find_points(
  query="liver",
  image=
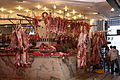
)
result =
(42, 68)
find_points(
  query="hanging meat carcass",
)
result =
(20, 43)
(82, 45)
(35, 26)
(98, 40)
(95, 59)
(103, 39)
(56, 25)
(48, 22)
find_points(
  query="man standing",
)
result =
(114, 54)
(107, 58)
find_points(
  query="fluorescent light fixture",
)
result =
(94, 13)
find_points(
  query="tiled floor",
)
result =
(84, 76)
(94, 76)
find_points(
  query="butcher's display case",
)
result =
(45, 66)
(47, 63)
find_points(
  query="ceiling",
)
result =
(85, 7)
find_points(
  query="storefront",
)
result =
(51, 40)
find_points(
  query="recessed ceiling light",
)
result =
(80, 15)
(54, 6)
(27, 10)
(60, 11)
(19, 7)
(86, 17)
(2, 9)
(106, 19)
(68, 14)
(73, 12)
(95, 13)
(75, 17)
(112, 9)
(66, 8)
(45, 9)
(38, 6)
(10, 11)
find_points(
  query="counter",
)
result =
(42, 68)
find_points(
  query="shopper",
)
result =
(107, 58)
(113, 53)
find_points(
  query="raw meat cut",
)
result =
(20, 43)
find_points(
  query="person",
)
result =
(114, 54)
(107, 58)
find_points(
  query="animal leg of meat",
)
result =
(78, 59)
(17, 60)
(24, 62)
(82, 58)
